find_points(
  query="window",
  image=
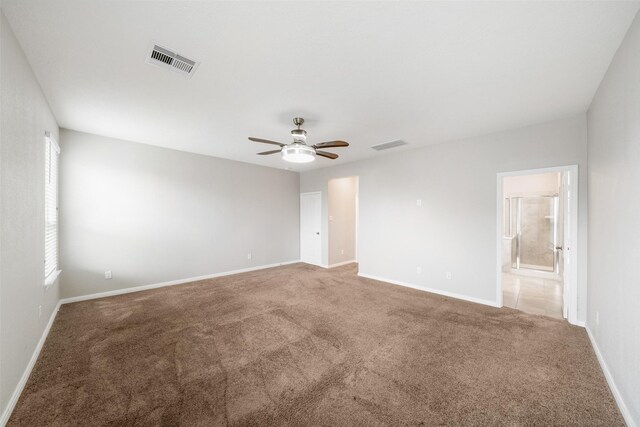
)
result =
(52, 151)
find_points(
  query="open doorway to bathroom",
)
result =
(537, 230)
(532, 241)
(343, 221)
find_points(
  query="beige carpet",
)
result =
(300, 345)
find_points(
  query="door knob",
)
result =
(558, 248)
(318, 233)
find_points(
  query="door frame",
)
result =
(570, 250)
(308, 193)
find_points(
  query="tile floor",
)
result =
(532, 294)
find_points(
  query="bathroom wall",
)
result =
(531, 185)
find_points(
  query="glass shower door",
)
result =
(536, 232)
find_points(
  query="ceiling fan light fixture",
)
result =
(298, 153)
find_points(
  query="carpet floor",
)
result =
(301, 345)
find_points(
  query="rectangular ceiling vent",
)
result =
(387, 145)
(165, 58)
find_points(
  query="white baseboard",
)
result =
(313, 263)
(339, 264)
(626, 414)
(169, 283)
(6, 414)
(433, 291)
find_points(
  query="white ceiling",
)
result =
(365, 72)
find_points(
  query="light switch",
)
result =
(419, 203)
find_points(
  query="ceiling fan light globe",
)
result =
(298, 153)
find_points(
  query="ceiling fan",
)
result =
(298, 151)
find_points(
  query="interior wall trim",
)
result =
(6, 413)
(626, 414)
(339, 264)
(433, 291)
(317, 265)
(170, 283)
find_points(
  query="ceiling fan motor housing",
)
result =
(299, 135)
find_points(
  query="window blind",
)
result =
(52, 152)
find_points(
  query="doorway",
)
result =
(537, 231)
(343, 221)
(310, 225)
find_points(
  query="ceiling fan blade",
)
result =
(266, 141)
(264, 153)
(327, 155)
(331, 144)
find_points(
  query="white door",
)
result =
(565, 259)
(310, 243)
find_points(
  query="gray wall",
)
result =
(614, 214)
(342, 224)
(152, 215)
(25, 118)
(455, 229)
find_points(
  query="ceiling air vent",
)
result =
(165, 58)
(387, 145)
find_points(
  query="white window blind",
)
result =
(52, 152)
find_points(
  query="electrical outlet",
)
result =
(447, 275)
(249, 255)
(107, 274)
(597, 318)
(342, 251)
(418, 270)
(419, 203)
(330, 217)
